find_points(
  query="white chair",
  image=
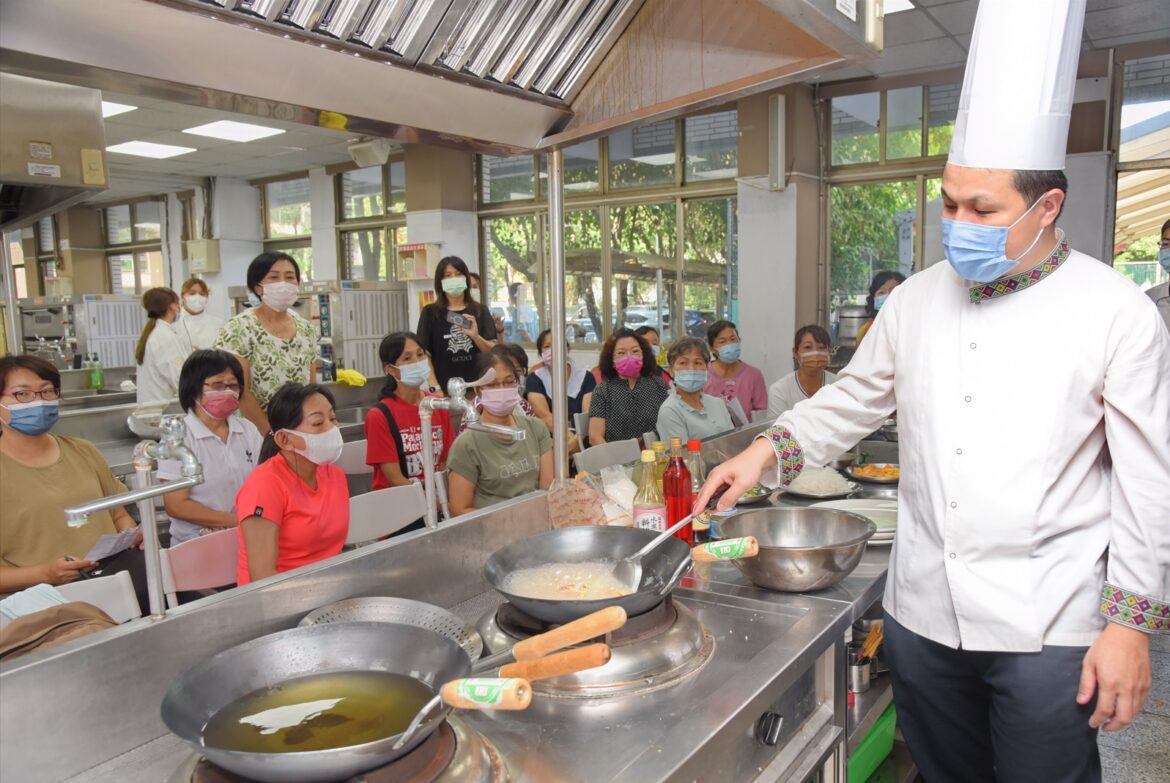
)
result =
(594, 458)
(581, 425)
(384, 511)
(353, 459)
(202, 563)
(113, 594)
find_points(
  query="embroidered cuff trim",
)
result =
(1134, 610)
(789, 454)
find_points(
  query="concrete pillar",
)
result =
(235, 222)
(322, 204)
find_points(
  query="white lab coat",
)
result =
(200, 330)
(158, 375)
(1035, 452)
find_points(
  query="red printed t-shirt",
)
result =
(313, 522)
(380, 446)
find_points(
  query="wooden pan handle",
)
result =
(729, 549)
(567, 662)
(487, 693)
(590, 626)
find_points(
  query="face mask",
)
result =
(321, 448)
(979, 252)
(814, 357)
(690, 380)
(414, 374)
(33, 418)
(280, 296)
(196, 303)
(729, 354)
(220, 404)
(500, 402)
(454, 286)
(1164, 258)
(880, 300)
(546, 357)
(629, 366)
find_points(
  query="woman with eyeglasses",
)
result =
(41, 475)
(226, 445)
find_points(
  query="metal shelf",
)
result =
(867, 708)
(905, 770)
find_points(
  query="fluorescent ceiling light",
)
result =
(230, 130)
(111, 109)
(896, 6)
(148, 149)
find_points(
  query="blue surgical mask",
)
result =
(879, 300)
(415, 374)
(978, 252)
(33, 418)
(690, 380)
(729, 354)
(1164, 258)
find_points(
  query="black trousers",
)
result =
(989, 716)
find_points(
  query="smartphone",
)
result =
(458, 319)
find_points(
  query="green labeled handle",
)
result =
(728, 549)
(488, 693)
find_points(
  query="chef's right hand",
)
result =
(63, 571)
(738, 475)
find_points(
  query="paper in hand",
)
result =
(112, 544)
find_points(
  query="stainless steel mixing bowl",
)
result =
(801, 549)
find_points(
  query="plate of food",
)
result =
(876, 472)
(820, 484)
(757, 494)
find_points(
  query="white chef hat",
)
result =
(1018, 87)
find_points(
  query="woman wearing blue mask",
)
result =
(40, 476)
(688, 413)
(879, 291)
(1161, 292)
(730, 378)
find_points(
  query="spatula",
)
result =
(628, 570)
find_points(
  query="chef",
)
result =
(1032, 560)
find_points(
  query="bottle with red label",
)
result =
(676, 486)
(649, 506)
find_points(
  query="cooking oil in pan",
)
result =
(318, 712)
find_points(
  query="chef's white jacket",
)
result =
(158, 375)
(1035, 452)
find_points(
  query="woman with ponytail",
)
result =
(161, 348)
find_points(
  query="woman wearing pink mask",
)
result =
(227, 446)
(484, 470)
(275, 346)
(626, 403)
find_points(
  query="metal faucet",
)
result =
(171, 446)
(456, 400)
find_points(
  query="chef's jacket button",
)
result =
(954, 504)
(952, 555)
(972, 346)
(959, 451)
(967, 398)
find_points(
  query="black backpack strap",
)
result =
(394, 433)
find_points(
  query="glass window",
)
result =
(645, 267)
(364, 254)
(16, 253)
(904, 123)
(1145, 109)
(150, 270)
(942, 105)
(397, 186)
(642, 156)
(122, 278)
(855, 128)
(118, 225)
(147, 221)
(581, 169)
(302, 253)
(711, 145)
(287, 205)
(506, 179)
(710, 277)
(512, 250)
(1142, 197)
(584, 292)
(361, 193)
(872, 230)
(932, 249)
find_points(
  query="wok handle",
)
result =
(590, 626)
(487, 693)
(728, 549)
(567, 662)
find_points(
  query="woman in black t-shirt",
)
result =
(455, 329)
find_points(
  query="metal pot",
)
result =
(801, 549)
(661, 569)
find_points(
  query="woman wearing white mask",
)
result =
(485, 469)
(688, 413)
(393, 426)
(161, 348)
(294, 507)
(810, 352)
(274, 344)
(227, 446)
(199, 326)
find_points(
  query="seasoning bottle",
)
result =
(660, 460)
(649, 506)
(676, 485)
(698, 477)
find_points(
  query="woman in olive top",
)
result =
(626, 403)
(455, 329)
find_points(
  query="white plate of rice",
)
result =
(820, 483)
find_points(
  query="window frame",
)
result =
(135, 248)
(389, 222)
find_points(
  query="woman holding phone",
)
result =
(455, 329)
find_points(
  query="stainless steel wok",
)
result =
(801, 549)
(661, 569)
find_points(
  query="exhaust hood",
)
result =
(52, 148)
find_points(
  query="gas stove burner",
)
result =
(452, 753)
(654, 650)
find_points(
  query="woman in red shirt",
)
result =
(294, 507)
